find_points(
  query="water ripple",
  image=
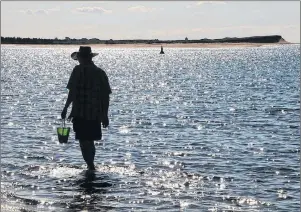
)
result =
(194, 129)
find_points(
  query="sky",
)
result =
(161, 20)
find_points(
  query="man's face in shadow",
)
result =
(82, 60)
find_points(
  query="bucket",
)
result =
(63, 132)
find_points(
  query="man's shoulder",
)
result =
(87, 67)
(99, 69)
(76, 68)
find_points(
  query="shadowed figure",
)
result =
(89, 91)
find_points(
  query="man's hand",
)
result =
(64, 112)
(105, 121)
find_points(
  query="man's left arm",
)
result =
(105, 100)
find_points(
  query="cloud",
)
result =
(211, 2)
(199, 3)
(143, 9)
(92, 10)
(35, 12)
(39, 11)
(104, 2)
(54, 9)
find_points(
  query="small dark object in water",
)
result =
(161, 52)
(63, 132)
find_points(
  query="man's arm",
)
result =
(67, 104)
(70, 98)
(105, 105)
(105, 100)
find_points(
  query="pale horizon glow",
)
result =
(163, 20)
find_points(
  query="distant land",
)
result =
(83, 41)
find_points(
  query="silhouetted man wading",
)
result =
(89, 91)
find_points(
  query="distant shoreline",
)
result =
(228, 41)
(165, 45)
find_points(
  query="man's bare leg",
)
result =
(88, 152)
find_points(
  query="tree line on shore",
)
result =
(67, 40)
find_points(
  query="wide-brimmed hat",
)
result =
(84, 51)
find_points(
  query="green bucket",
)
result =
(63, 133)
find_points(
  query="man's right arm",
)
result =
(105, 100)
(70, 98)
(71, 87)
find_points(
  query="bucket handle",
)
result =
(63, 123)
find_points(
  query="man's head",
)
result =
(84, 54)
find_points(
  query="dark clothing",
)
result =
(89, 91)
(90, 85)
(87, 129)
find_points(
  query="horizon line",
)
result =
(138, 38)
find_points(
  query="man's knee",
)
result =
(86, 144)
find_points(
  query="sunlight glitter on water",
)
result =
(195, 130)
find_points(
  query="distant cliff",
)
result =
(67, 40)
(254, 39)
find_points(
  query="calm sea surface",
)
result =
(191, 130)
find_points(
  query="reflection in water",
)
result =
(92, 188)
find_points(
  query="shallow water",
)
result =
(191, 130)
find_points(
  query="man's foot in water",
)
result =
(91, 167)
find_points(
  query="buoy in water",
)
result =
(161, 52)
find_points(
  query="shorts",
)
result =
(86, 129)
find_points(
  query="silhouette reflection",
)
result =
(91, 190)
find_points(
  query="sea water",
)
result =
(195, 129)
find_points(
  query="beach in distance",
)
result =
(255, 41)
(169, 45)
